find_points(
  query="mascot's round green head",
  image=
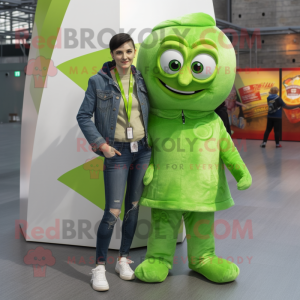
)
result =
(187, 63)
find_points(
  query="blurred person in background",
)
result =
(275, 104)
(221, 111)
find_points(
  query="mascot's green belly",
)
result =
(188, 174)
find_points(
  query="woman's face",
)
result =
(124, 55)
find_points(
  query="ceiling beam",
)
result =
(16, 3)
(294, 30)
(16, 19)
(261, 30)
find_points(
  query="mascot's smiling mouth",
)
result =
(179, 92)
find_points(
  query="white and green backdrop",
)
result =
(61, 180)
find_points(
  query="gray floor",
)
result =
(272, 205)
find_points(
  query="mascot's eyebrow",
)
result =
(205, 42)
(181, 40)
(175, 38)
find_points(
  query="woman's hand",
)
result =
(109, 151)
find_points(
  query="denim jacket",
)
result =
(102, 98)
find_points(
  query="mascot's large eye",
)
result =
(171, 61)
(203, 65)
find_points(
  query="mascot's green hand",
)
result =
(244, 183)
(148, 175)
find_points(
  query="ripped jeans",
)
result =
(130, 168)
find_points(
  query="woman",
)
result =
(118, 96)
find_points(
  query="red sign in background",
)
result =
(250, 93)
(291, 94)
(255, 127)
(251, 84)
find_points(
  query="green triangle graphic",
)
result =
(87, 180)
(81, 68)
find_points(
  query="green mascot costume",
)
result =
(188, 65)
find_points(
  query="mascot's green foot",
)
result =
(217, 269)
(151, 270)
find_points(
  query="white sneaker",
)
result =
(98, 279)
(123, 268)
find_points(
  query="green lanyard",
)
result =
(129, 104)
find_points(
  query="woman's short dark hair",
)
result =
(118, 40)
